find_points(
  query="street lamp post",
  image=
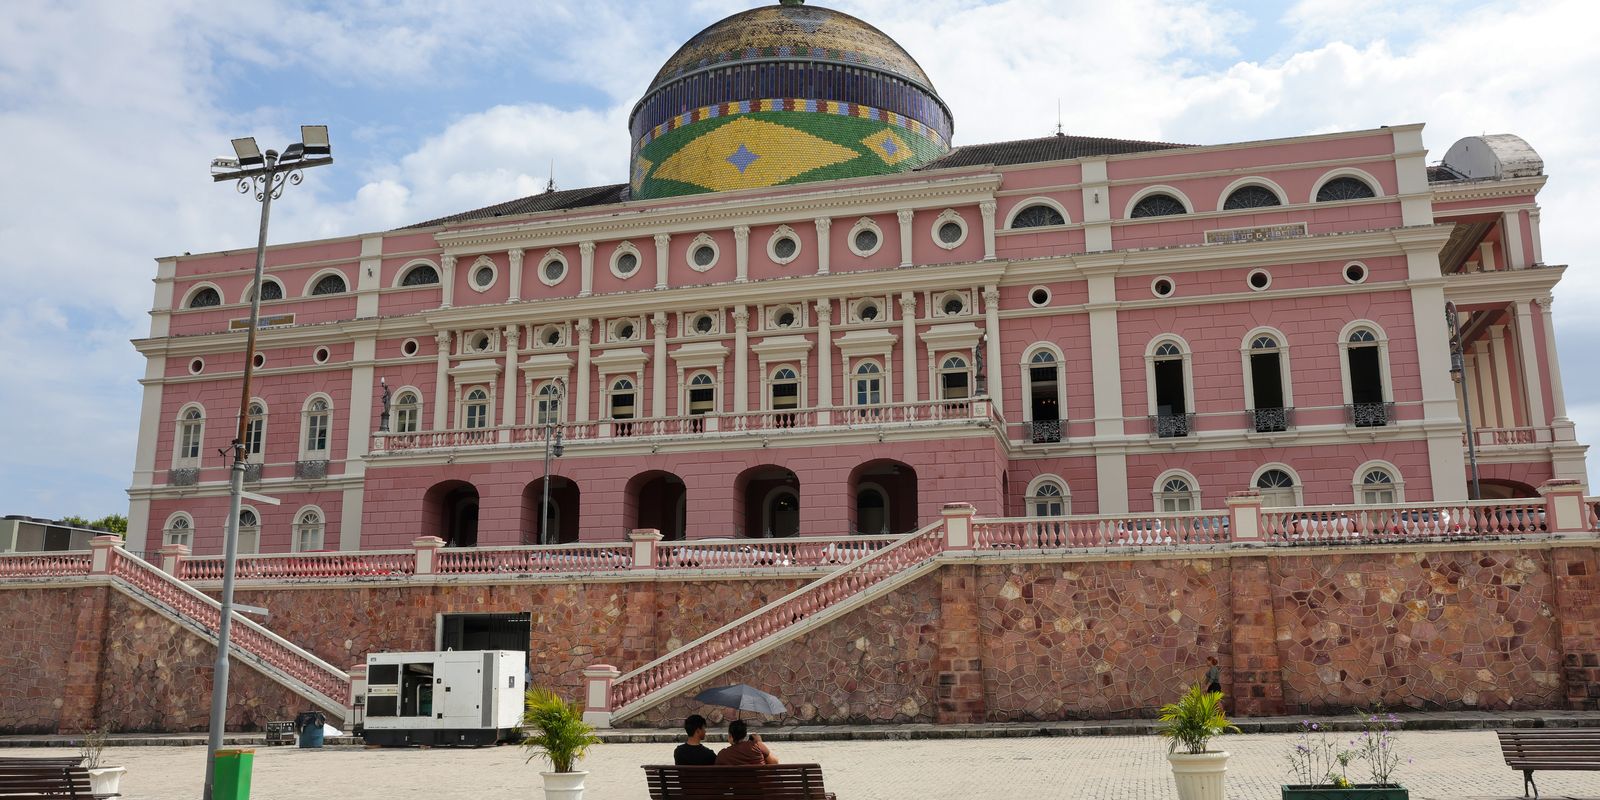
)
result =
(552, 431)
(1458, 372)
(265, 174)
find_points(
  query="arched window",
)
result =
(1277, 488)
(702, 398)
(1252, 196)
(1048, 499)
(249, 532)
(408, 413)
(869, 384)
(255, 429)
(1268, 395)
(308, 531)
(547, 406)
(1158, 205)
(420, 275)
(1176, 494)
(1364, 373)
(179, 530)
(319, 419)
(329, 284)
(1345, 188)
(1169, 396)
(955, 379)
(1377, 487)
(1043, 383)
(191, 435)
(270, 290)
(1038, 215)
(622, 399)
(476, 409)
(206, 298)
(784, 390)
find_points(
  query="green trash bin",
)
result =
(232, 775)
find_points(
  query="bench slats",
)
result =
(769, 782)
(34, 782)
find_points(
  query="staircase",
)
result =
(248, 642)
(783, 620)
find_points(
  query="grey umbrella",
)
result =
(742, 697)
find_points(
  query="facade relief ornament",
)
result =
(823, 225)
(585, 327)
(741, 233)
(906, 215)
(987, 209)
(515, 257)
(824, 310)
(442, 338)
(658, 324)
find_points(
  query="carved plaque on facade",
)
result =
(1269, 233)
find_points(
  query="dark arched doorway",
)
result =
(1502, 489)
(450, 512)
(562, 516)
(659, 500)
(883, 498)
(768, 500)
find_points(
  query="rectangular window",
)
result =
(252, 435)
(317, 433)
(189, 448)
(406, 420)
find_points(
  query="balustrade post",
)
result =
(1244, 510)
(426, 547)
(644, 547)
(172, 558)
(1563, 506)
(958, 533)
(598, 682)
(100, 561)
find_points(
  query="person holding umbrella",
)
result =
(743, 749)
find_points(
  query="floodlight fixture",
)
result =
(249, 154)
(315, 140)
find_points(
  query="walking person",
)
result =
(692, 753)
(1213, 675)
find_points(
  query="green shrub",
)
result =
(556, 730)
(1194, 720)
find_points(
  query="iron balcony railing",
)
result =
(1271, 420)
(1370, 415)
(1171, 426)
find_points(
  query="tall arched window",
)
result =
(1252, 196)
(701, 399)
(329, 284)
(1158, 205)
(1277, 488)
(255, 429)
(308, 531)
(955, 379)
(547, 405)
(1364, 370)
(1170, 392)
(868, 386)
(1345, 188)
(318, 423)
(1377, 487)
(784, 390)
(623, 398)
(191, 435)
(249, 532)
(1176, 494)
(408, 413)
(476, 409)
(1048, 499)
(179, 530)
(1043, 381)
(1037, 216)
(1269, 409)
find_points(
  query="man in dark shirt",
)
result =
(692, 753)
(744, 750)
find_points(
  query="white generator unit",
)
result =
(454, 697)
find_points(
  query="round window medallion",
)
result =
(868, 312)
(409, 347)
(554, 270)
(1040, 296)
(785, 247)
(866, 240)
(197, 366)
(953, 306)
(627, 264)
(481, 343)
(1162, 287)
(625, 331)
(950, 232)
(704, 255)
(483, 277)
(1355, 272)
(703, 323)
(785, 318)
(552, 337)
(320, 356)
(259, 361)
(1259, 280)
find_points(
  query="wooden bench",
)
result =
(9, 761)
(768, 782)
(1533, 749)
(24, 782)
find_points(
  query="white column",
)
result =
(1447, 464)
(741, 253)
(824, 309)
(1558, 395)
(1538, 244)
(908, 353)
(1486, 257)
(1111, 466)
(508, 397)
(441, 382)
(658, 366)
(516, 273)
(1511, 237)
(580, 411)
(741, 359)
(1096, 195)
(447, 279)
(663, 241)
(1528, 354)
(358, 436)
(1502, 377)
(823, 251)
(987, 209)
(994, 369)
(906, 215)
(586, 287)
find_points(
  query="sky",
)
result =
(110, 111)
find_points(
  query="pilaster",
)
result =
(658, 365)
(908, 338)
(515, 269)
(824, 310)
(824, 225)
(580, 410)
(508, 396)
(906, 216)
(741, 359)
(994, 369)
(741, 253)
(987, 210)
(447, 280)
(441, 381)
(663, 256)
(369, 277)
(586, 286)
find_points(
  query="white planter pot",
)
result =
(105, 780)
(1199, 776)
(563, 785)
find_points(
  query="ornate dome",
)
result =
(784, 94)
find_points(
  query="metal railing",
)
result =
(1271, 420)
(1170, 426)
(1369, 415)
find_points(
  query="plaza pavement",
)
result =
(1444, 765)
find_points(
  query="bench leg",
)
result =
(1527, 780)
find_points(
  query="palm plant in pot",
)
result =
(104, 781)
(1191, 724)
(1321, 768)
(557, 733)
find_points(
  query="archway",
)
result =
(883, 497)
(769, 501)
(450, 512)
(657, 499)
(1503, 489)
(563, 514)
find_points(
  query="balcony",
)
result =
(1510, 437)
(1171, 426)
(1044, 431)
(974, 412)
(1271, 420)
(1369, 415)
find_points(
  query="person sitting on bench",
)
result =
(744, 750)
(692, 753)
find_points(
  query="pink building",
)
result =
(809, 314)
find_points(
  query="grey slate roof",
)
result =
(1045, 148)
(1440, 173)
(548, 201)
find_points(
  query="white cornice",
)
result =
(1501, 286)
(1453, 191)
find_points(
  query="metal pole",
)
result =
(544, 508)
(230, 542)
(1458, 367)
